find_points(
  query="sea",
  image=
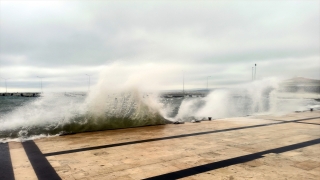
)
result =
(54, 114)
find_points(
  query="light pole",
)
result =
(0, 78)
(207, 82)
(41, 82)
(252, 74)
(5, 80)
(183, 82)
(89, 82)
(255, 71)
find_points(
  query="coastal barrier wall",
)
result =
(22, 94)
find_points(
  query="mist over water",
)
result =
(136, 101)
(259, 97)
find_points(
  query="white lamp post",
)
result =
(40, 82)
(207, 82)
(89, 82)
(5, 80)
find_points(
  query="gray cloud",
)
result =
(229, 37)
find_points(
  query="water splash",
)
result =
(111, 105)
(258, 97)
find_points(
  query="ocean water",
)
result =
(52, 114)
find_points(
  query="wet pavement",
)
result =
(253, 147)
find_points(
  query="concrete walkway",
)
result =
(260, 147)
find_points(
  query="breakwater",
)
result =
(183, 94)
(22, 94)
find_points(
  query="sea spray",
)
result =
(257, 97)
(52, 114)
(135, 101)
(124, 109)
(236, 101)
(42, 115)
(109, 105)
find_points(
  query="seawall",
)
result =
(22, 94)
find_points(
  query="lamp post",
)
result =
(183, 83)
(255, 71)
(40, 82)
(1, 78)
(5, 80)
(207, 82)
(6, 83)
(252, 74)
(89, 82)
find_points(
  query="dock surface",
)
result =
(256, 147)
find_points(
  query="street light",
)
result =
(41, 82)
(5, 80)
(252, 74)
(183, 83)
(207, 82)
(255, 71)
(0, 78)
(89, 82)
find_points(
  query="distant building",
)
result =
(300, 84)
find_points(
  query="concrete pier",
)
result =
(256, 147)
(23, 94)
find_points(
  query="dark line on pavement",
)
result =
(39, 162)
(6, 169)
(308, 123)
(297, 120)
(166, 138)
(228, 162)
(149, 140)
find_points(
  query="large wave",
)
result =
(112, 106)
(108, 105)
(54, 114)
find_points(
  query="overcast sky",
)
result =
(155, 41)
